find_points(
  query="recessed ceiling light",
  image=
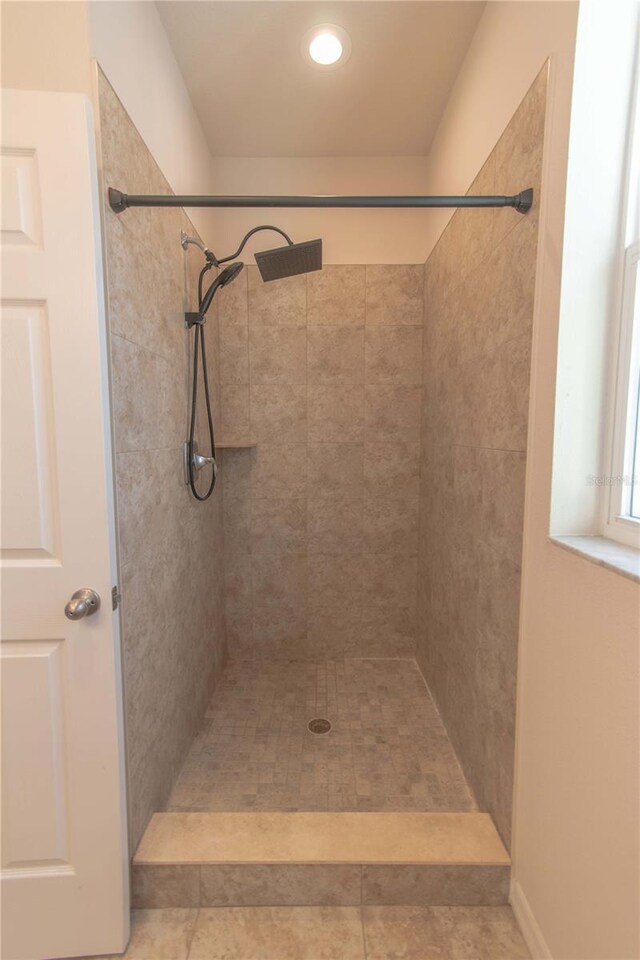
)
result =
(325, 49)
(326, 46)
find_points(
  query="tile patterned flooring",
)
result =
(326, 933)
(387, 749)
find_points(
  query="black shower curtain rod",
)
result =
(120, 201)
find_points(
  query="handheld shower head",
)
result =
(230, 273)
(226, 276)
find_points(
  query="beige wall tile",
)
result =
(136, 412)
(310, 438)
(280, 471)
(501, 480)
(335, 527)
(281, 303)
(391, 526)
(519, 152)
(280, 884)
(479, 285)
(235, 415)
(380, 639)
(234, 352)
(468, 238)
(336, 295)
(236, 468)
(393, 355)
(279, 413)
(165, 885)
(335, 636)
(238, 608)
(438, 884)
(394, 294)
(335, 471)
(392, 470)
(392, 413)
(278, 526)
(134, 281)
(390, 593)
(232, 300)
(493, 397)
(149, 283)
(147, 500)
(336, 413)
(279, 583)
(336, 585)
(336, 355)
(277, 354)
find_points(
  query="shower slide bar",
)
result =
(121, 201)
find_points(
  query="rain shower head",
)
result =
(282, 262)
(291, 260)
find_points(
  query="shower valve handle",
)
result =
(199, 462)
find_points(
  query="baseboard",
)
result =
(528, 924)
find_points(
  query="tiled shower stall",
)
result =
(366, 528)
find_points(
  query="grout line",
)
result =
(193, 933)
(362, 923)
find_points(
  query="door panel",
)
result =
(30, 521)
(34, 820)
(64, 850)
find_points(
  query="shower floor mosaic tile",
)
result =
(387, 748)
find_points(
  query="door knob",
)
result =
(83, 603)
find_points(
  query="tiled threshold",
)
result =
(316, 859)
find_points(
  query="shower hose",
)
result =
(200, 350)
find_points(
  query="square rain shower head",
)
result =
(291, 260)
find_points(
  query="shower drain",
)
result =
(319, 725)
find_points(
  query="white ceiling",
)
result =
(256, 97)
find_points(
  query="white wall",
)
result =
(129, 42)
(511, 43)
(576, 797)
(349, 236)
(45, 46)
(49, 46)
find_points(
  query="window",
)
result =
(624, 498)
(623, 520)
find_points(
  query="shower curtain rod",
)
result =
(120, 201)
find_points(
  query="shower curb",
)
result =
(315, 859)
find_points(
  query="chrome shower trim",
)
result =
(197, 460)
(185, 240)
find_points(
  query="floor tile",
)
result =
(387, 748)
(159, 935)
(278, 933)
(442, 933)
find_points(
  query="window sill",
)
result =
(606, 553)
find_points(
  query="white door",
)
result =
(64, 849)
